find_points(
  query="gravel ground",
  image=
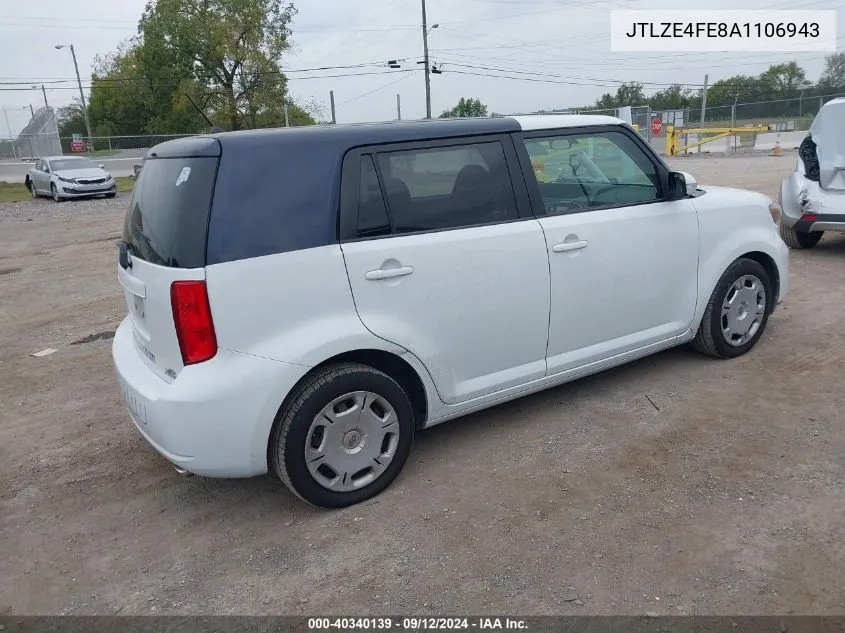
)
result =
(673, 485)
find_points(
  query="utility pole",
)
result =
(81, 91)
(427, 66)
(801, 105)
(287, 120)
(331, 99)
(9, 128)
(398, 107)
(733, 111)
(703, 101)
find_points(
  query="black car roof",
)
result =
(337, 137)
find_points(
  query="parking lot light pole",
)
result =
(81, 92)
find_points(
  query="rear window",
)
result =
(167, 221)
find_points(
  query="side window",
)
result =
(372, 212)
(447, 187)
(38, 164)
(45, 167)
(579, 172)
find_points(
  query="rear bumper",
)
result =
(215, 418)
(800, 198)
(826, 222)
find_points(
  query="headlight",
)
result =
(109, 176)
(70, 180)
(775, 211)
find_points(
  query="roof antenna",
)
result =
(214, 128)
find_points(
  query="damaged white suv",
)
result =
(813, 197)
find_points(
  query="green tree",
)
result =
(606, 102)
(71, 119)
(833, 75)
(231, 50)
(630, 94)
(675, 97)
(466, 108)
(784, 81)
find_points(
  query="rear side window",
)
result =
(372, 212)
(447, 187)
(167, 219)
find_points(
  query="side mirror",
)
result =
(681, 185)
(101, 166)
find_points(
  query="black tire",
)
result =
(55, 193)
(32, 190)
(797, 239)
(293, 421)
(111, 195)
(709, 339)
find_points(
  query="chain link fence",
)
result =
(40, 136)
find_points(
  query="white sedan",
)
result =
(63, 177)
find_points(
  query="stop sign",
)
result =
(656, 126)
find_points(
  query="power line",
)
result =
(283, 71)
(175, 85)
(366, 94)
(580, 80)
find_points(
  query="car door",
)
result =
(44, 182)
(34, 174)
(623, 257)
(446, 260)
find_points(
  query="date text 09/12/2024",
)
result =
(416, 624)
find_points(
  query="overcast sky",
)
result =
(565, 41)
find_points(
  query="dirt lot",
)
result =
(725, 496)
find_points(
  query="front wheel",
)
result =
(55, 193)
(738, 310)
(797, 239)
(343, 436)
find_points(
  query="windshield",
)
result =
(72, 163)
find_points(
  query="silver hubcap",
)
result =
(352, 441)
(55, 193)
(743, 310)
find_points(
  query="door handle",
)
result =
(373, 275)
(564, 247)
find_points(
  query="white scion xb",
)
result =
(303, 301)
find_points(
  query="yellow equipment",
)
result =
(673, 135)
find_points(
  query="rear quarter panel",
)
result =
(294, 307)
(734, 222)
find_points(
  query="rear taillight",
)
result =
(192, 318)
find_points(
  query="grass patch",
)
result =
(17, 192)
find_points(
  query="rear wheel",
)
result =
(343, 436)
(797, 239)
(737, 313)
(32, 190)
(55, 193)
